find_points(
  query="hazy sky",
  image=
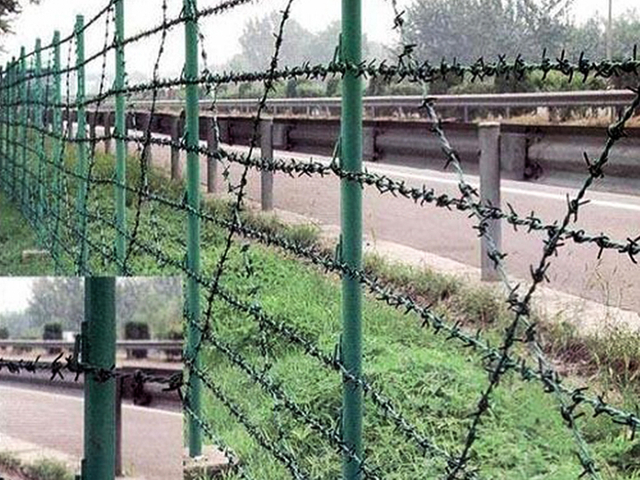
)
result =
(222, 32)
(15, 293)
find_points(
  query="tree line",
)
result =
(464, 30)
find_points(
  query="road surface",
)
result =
(152, 438)
(611, 280)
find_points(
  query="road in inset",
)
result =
(152, 438)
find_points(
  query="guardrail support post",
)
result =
(118, 418)
(212, 161)
(369, 144)
(513, 154)
(351, 237)
(93, 119)
(266, 176)
(192, 117)
(147, 153)
(106, 121)
(81, 148)
(120, 130)
(176, 134)
(489, 137)
(99, 351)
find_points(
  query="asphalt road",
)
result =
(152, 438)
(612, 279)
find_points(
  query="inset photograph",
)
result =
(90, 372)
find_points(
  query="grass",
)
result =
(15, 237)
(594, 119)
(432, 381)
(40, 469)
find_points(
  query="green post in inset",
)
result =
(193, 232)
(99, 351)
(56, 130)
(121, 145)
(351, 242)
(81, 149)
(23, 125)
(38, 124)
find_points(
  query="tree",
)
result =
(299, 44)
(16, 323)
(258, 41)
(588, 38)
(57, 300)
(471, 29)
(156, 301)
(626, 34)
(8, 10)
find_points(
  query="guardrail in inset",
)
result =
(120, 344)
(119, 387)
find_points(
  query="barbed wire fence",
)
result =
(97, 215)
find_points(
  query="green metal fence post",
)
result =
(119, 132)
(14, 129)
(56, 130)
(351, 243)
(7, 97)
(23, 124)
(5, 127)
(81, 148)
(3, 116)
(9, 130)
(193, 238)
(37, 112)
(99, 350)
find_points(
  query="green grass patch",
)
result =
(16, 237)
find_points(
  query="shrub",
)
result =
(53, 331)
(136, 331)
(47, 469)
(4, 335)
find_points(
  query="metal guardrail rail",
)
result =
(324, 105)
(120, 344)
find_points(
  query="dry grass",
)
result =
(596, 120)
